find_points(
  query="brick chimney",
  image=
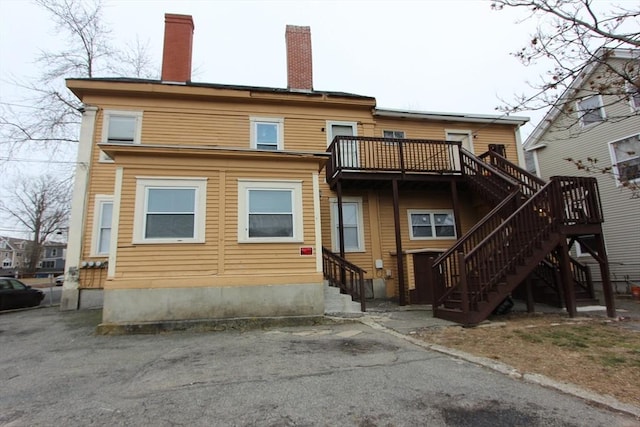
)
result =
(299, 66)
(178, 41)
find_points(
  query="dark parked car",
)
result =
(15, 294)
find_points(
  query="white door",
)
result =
(466, 138)
(348, 148)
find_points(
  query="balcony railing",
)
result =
(370, 154)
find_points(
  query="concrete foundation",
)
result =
(169, 304)
(69, 299)
(91, 298)
(379, 288)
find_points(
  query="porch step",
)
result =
(337, 303)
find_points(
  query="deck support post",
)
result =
(455, 202)
(402, 298)
(567, 278)
(343, 275)
(607, 288)
(531, 306)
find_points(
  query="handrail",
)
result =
(494, 182)
(373, 154)
(344, 275)
(531, 184)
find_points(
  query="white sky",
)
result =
(431, 55)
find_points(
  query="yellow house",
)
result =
(199, 201)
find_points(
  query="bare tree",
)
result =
(573, 37)
(49, 113)
(41, 205)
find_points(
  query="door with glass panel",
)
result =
(348, 148)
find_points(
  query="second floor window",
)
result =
(625, 157)
(393, 134)
(121, 127)
(590, 110)
(267, 133)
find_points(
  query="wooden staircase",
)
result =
(530, 220)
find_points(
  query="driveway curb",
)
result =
(566, 388)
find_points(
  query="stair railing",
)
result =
(529, 183)
(345, 275)
(490, 181)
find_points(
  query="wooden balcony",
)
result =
(370, 158)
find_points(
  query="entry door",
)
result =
(348, 148)
(421, 294)
(466, 138)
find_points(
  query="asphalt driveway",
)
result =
(56, 371)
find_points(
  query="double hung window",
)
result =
(267, 133)
(590, 110)
(102, 225)
(121, 127)
(625, 157)
(269, 211)
(352, 224)
(431, 225)
(170, 210)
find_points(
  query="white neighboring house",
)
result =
(596, 120)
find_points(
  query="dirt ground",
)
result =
(592, 352)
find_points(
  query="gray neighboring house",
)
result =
(52, 259)
(595, 120)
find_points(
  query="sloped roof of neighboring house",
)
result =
(13, 242)
(589, 69)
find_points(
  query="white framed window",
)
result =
(267, 133)
(101, 233)
(625, 158)
(170, 210)
(120, 127)
(353, 224)
(590, 110)
(634, 96)
(54, 252)
(431, 224)
(269, 211)
(393, 134)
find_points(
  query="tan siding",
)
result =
(484, 134)
(225, 123)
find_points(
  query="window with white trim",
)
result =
(267, 133)
(625, 158)
(352, 224)
(438, 224)
(393, 134)
(634, 96)
(54, 252)
(102, 225)
(121, 127)
(269, 211)
(170, 210)
(590, 110)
